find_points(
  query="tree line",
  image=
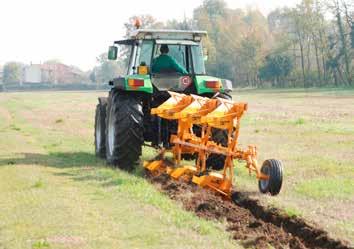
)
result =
(309, 45)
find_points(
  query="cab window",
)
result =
(124, 58)
(176, 51)
(198, 60)
(146, 53)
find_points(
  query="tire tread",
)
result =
(127, 148)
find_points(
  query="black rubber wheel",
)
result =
(100, 130)
(188, 157)
(274, 169)
(224, 96)
(216, 161)
(125, 130)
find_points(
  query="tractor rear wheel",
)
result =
(216, 161)
(124, 132)
(100, 130)
(274, 169)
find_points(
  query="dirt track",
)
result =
(248, 221)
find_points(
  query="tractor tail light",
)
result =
(213, 84)
(135, 82)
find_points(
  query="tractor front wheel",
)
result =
(274, 170)
(124, 130)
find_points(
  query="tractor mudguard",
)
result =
(209, 84)
(135, 82)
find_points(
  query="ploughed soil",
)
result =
(249, 222)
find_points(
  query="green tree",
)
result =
(254, 43)
(12, 72)
(92, 75)
(186, 24)
(249, 55)
(344, 51)
(276, 68)
(107, 70)
(236, 41)
(352, 34)
(146, 21)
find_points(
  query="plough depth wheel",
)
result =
(274, 170)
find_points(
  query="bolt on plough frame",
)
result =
(216, 113)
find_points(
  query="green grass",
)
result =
(56, 193)
(292, 212)
(40, 244)
(327, 188)
(312, 132)
(38, 184)
(299, 121)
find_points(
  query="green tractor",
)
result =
(156, 61)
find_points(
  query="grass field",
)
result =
(56, 194)
(312, 132)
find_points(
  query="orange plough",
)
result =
(216, 113)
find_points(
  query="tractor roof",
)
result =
(167, 34)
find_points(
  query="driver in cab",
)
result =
(164, 63)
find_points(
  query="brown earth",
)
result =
(249, 222)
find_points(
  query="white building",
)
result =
(32, 74)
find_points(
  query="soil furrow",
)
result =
(249, 222)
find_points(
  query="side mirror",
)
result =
(112, 53)
(205, 54)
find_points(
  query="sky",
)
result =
(77, 31)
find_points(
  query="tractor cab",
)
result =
(153, 63)
(147, 66)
